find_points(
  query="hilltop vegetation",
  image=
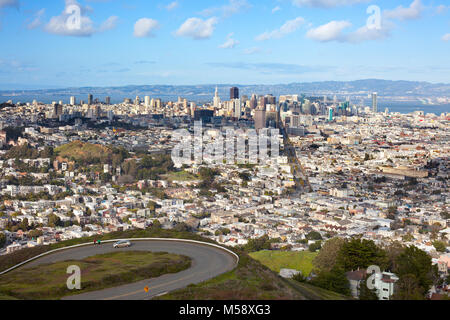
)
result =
(86, 153)
(277, 260)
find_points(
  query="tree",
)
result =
(24, 225)
(365, 293)
(53, 220)
(440, 246)
(181, 227)
(393, 250)
(326, 259)
(315, 246)
(445, 214)
(334, 280)
(35, 234)
(416, 273)
(258, 244)
(156, 224)
(2, 239)
(361, 253)
(314, 235)
(408, 288)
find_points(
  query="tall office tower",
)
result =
(263, 102)
(57, 109)
(147, 101)
(237, 108)
(73, 101)
(137, 101)
(234, 93)
(271, 99)
(330, 114)
(90, 99)
(216, 101)
(325, 99)
(253, 102)
(374, 102)
(260, 119)
(108, 100)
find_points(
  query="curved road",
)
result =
(207, 262)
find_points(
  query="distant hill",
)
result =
(203, 93)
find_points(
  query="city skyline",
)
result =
(233, 41)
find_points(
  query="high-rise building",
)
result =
(73, 101)
(237, 108)
(57, 109)
(234, 93)
(374, 102)
(271, 99)
(260, 119)
(263, 102)
(108, 100)
(147, 101)
(90, 99)
(253, 102)
(330, 114)
(216, 101)
(137, 101)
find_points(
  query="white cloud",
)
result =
(172, 5)
(366, 34)
(446, 37)
(276, 9)
(326, 3)
(332, 31)
(58, 25)
(144, 27)
(37, 22)
(230, 43)
(287, 28)
(197, 28)
(441, 9)
(253, 50)
(9, 3)
(414, 11)
(233, 7)
(109, 24)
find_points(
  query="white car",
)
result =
(122, 244)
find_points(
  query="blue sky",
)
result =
(122, 42)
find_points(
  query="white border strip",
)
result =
(132, 239)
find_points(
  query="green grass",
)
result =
(315, 293)
(97, 272)
(10, 260)
(249, 281)
(276, 260)
(77, 150)
(181, 176)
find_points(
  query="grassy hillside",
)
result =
(250, 280)
(99, 272)
(82, 151)
(276, 260)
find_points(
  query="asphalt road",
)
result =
(207, 262)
